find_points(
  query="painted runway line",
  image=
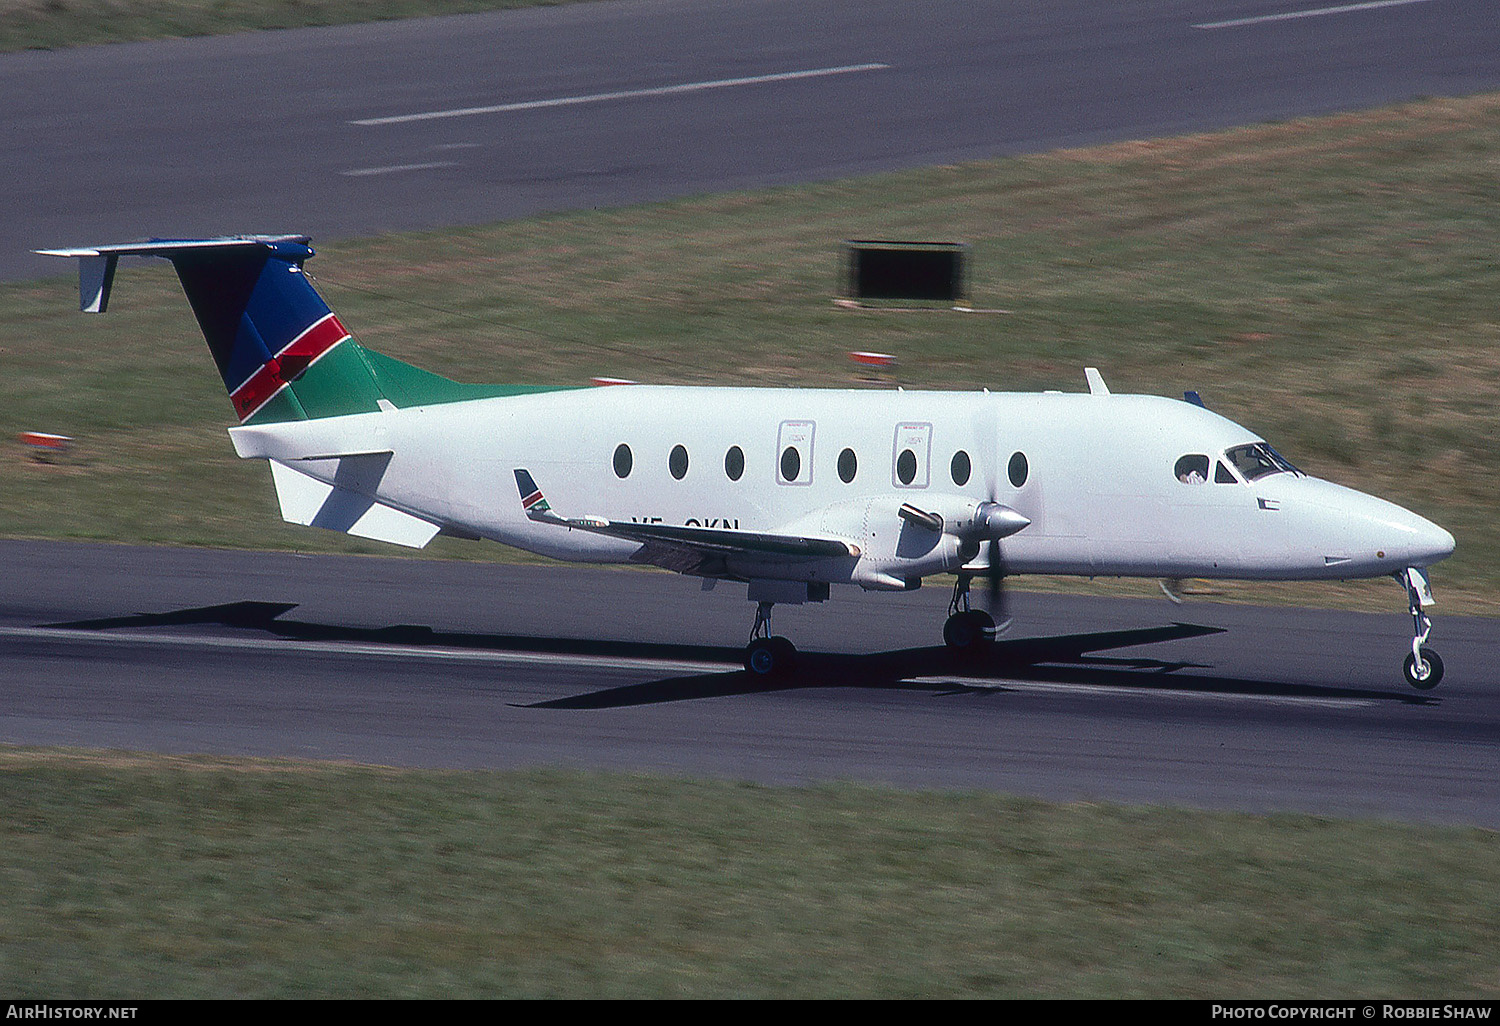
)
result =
(1044, 687)
(391, 169)
(1316, 12)
(624, 94)
(379, 650)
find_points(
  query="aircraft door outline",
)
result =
(794, 452)
(911, 455)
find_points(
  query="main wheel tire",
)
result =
(786, 655)
(1426, 676)
(770, 657)
(969, 631)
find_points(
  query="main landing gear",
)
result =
(766, 655)
(967, 629)
(1423, 668)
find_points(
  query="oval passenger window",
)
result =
(1018, 470)
(791, 463)
(961, 468)
(906, 466)
(848, 466)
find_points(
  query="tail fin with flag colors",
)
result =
(283, 354)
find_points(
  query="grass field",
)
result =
(151, 876)
(1329, 282)
(51, 24)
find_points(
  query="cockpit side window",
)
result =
(1223, 475)
(1257, 460)
(1191, 469)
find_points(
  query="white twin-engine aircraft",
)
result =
(788, 490)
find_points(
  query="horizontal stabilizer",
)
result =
(96, 264)
(313, 503)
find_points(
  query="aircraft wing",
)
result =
(684, 549)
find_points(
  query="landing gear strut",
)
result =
(966, 629)
(1423, 668)
(768, 656)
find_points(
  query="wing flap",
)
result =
(716, 540)
(678, 548)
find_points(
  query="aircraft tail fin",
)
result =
(283, 354)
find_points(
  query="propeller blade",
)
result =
(994, 588)
(987, 438)
(994, 520)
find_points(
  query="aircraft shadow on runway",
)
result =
(1062, 659)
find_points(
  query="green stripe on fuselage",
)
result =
(406, 385)
(350, 379)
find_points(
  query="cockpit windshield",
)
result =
(1258, 460)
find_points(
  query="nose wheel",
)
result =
(1424, 674)
(1423, 668)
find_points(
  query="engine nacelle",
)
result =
(900, 544)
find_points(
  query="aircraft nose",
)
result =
(1379, 530)
(1418, 541)
(1430, 544)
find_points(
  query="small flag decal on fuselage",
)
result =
(532, 501)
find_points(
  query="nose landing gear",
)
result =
(1423, 669)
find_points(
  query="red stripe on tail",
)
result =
(283, 368)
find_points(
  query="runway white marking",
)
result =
(1141, 692)
(624, 94)
(1317, 12)
(383, 650)
(387, 650)
(365, 172)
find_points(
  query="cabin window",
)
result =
(791, 463)
(734, 463)
(906, 466)
(961, 468)
(677, 462)
(623, 460)
(1017, 470)
(1191, 469)
(848, 466)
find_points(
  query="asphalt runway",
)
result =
(439, 664)
(363, 129)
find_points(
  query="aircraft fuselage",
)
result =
(1100, 477)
